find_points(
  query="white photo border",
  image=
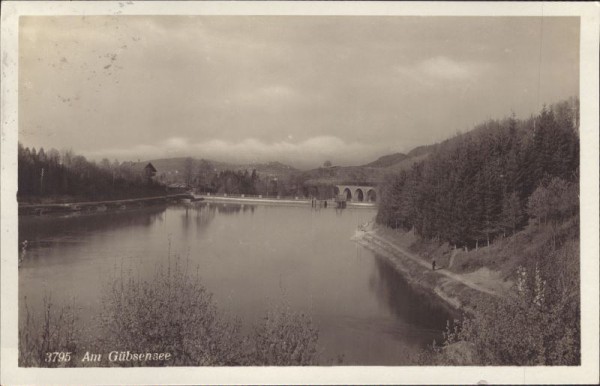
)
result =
(588, 372)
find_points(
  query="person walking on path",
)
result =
(433, 265)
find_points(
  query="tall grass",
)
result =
(285, 337)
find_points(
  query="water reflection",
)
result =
(39, 230)
(202, 214)
(233, 208)
(407, 304)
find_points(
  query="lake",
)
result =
(249, 256)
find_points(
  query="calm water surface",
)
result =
(248, 256)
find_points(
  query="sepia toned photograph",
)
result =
(298, 190)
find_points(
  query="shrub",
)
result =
(285, 338)
(555, 201)
(524, 330)
(172, 313)
(55, 331)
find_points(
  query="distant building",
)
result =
(146, 170)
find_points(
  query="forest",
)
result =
(240, 182)
(507, 193)
(202, 176)
(244, 182)
(489, 182)
(55, 176)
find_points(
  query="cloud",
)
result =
(176, 143)
(308, 153)
(266, 95)
(442, 68)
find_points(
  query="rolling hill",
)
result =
(369, 174)
(173, 169)
(387, 160)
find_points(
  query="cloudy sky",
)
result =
(295, 89)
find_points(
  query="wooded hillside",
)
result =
(69, 177)
(491, 181)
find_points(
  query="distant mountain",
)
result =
(271, 168)
(387, 160)
(172, 165)
(358, 175)
(408, 162)
(420, 150)
(372, 173)
(176, 167)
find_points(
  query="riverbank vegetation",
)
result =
(538, 322)
(503, 197)
(275, 180)
(54, 329)
(67, 177)
(170, 312)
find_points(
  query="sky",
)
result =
(295, 89)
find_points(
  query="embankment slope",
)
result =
(460, 290)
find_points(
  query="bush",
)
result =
(285, 338)
(172, 313)
(554, 201)
(56, 331)
(534, 327)
(175, 313)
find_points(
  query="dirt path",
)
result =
(374, 241)
(454, 252)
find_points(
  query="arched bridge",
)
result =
(357, 193)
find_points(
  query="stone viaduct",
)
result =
(357, 193)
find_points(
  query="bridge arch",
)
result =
(371, 195)
(357, 193)
(348, 194)
(360, 197)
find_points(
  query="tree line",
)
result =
(489, 182)
(68, 176)
(202, 176)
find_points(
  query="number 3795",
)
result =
(58, 356)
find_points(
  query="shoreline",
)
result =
(98, 206)
(104, 205)
(456, 290)
(281, 201)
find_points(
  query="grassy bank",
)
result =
(520, 293)
(458, 291)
